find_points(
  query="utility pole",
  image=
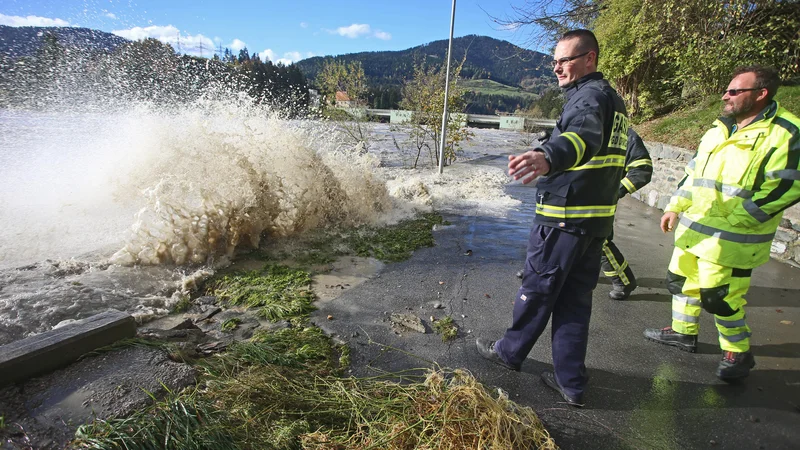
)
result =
(446, 91)
(201, 48)
(179, 42)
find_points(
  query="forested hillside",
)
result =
(487, 58)
(26, 41)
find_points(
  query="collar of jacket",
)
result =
(766, 114)
(571, 89)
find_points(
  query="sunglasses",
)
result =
(565, 60)
(735, 92)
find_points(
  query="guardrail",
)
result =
(502, 122)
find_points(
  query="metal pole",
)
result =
(446, 91)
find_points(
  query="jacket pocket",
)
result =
(551, 201)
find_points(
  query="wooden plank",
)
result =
(52, 349)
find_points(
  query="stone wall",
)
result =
(668, 164)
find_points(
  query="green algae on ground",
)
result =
(389, 244)
(230, 324)
(279, 292)
(447, 328)
(396, 242)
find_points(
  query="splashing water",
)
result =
(221, 175)
(204, 180)
(100, 196)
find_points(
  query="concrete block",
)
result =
(777, 248)
(400, 116)
(52, 349)
(652, 198)
(512, 123)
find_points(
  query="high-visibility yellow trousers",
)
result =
(697, 284)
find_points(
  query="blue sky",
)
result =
(281, 30)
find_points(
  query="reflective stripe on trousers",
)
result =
(730, 284)
(615, 266)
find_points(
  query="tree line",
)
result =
(146, 70)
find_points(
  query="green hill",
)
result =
(487, 59)
(684, 128)
(491, 87)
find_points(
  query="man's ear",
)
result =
(592, 57)
(762, 95)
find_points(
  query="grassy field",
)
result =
(684, 128)
(489, 87)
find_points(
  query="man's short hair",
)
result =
(586, 41)
(766, 78)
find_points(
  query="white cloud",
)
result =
(236, 45)
(382, 35)
(31, 21)
(267, 55)
(353, 31)
(286, 59)
(167, 34)
(358, 30)
(294, 56)
(303, 24)
(110, 15)
(196, 44)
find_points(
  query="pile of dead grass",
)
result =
(286, 392)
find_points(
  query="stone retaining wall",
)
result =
(668, 164)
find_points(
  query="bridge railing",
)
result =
(399, 116)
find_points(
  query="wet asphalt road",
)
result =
(641, 395)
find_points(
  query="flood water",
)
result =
(131, 208)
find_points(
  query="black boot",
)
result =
(486, 349)
(549, 379)
(735, 365)
(668, 336)
(621, 291)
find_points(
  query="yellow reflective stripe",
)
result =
(577, 142)
(639, 162)
(619, 268)
(599, 162)
(575, 211)
(628, 185)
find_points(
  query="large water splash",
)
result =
(221, 175)
(204, 179)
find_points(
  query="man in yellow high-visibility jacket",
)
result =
(745, 173)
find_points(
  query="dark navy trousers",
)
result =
(561, 271)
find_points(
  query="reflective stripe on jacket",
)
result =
(736, 189)
(587, 158)
(638, 165)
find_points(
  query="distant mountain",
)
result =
(16, 42)
(487, 58)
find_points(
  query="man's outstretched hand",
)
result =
(528, 166)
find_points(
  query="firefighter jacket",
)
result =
(638, 165)
(736, 188)
(587, 156)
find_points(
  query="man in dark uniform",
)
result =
(639, 171)
(581, 165)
